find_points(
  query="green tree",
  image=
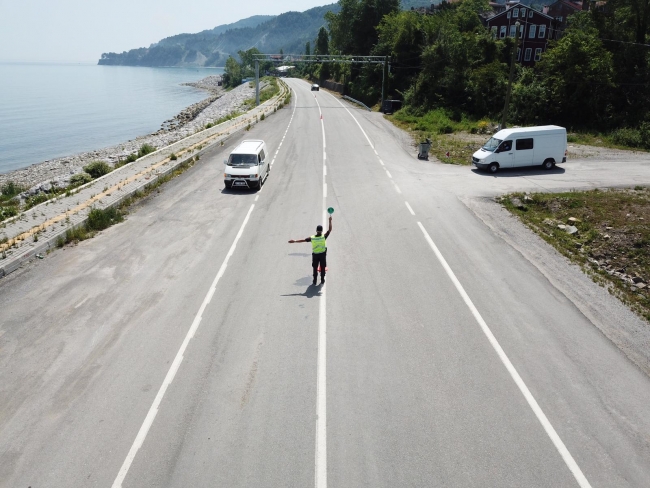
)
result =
(232, 76)
(322, 42)
(578, 75)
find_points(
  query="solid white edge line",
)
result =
(409, 207)
(355, 119)
(153, 410)
(546, 424)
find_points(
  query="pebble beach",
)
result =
(218, 103)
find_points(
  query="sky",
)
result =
(79, 31)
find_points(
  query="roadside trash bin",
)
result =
(423, 149)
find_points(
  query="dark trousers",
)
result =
(317, 259)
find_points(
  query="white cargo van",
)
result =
(247, 165)
(525, 146)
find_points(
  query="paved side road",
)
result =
(188, 346)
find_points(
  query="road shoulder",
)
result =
(616, 322)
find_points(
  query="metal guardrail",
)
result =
(358, 102)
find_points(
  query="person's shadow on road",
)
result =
(311, 291)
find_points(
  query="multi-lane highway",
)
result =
(188, 347)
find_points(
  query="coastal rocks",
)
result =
(191, 119)
(211, 83)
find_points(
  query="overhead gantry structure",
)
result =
(320, 58)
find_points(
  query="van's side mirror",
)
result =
(225, 161)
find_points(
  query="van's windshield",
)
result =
(242, 160)
(492, 144)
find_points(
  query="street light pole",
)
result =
(257, 82)
(512, 74)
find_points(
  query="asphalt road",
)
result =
(187, 346)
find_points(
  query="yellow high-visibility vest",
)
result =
(318, 245)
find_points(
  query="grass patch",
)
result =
(8, 211)
(97, 169)
(10, 190)
(145, 149)
(439, 126)
(621, 139)
(612, 242)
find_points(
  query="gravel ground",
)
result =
(217, 105)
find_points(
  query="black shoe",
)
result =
(322, 281)
(314, 282)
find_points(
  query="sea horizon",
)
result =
(50, 110)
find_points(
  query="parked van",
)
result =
(525, 146)
(247, 165)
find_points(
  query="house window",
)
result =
(494, 31)
(518, 54)
(513, 28)
(515, 13)
(542, 31)
(521, 31)
(560, 19)
(503, 31)
(538, 54)
(523, 13)
(523, 144)
(530, 14)
(532, 31)
(528, 53)
(508, 14)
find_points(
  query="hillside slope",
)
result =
(289, 32)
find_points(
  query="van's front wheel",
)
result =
(493, 168)
(548, 164)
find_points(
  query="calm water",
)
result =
(53, 110)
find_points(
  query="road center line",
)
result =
(546, 424)
(320, 473)
(409, 207)
(153, 410)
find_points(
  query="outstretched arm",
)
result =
(292, 241)
(330, 229)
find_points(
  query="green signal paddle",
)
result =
(330, 210)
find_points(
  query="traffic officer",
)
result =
(319, 250)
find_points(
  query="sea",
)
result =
(55, 110)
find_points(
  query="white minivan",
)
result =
(524, 146)
(247, 165)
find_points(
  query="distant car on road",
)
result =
(247, 167)
(315, 87)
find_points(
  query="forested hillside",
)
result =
(596, 77)
(288, 32)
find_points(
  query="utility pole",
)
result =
(257, 82)
(512, 74)
(383, 80)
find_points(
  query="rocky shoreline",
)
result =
(195, 117)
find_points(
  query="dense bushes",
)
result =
(97, 169)
(633, 137)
